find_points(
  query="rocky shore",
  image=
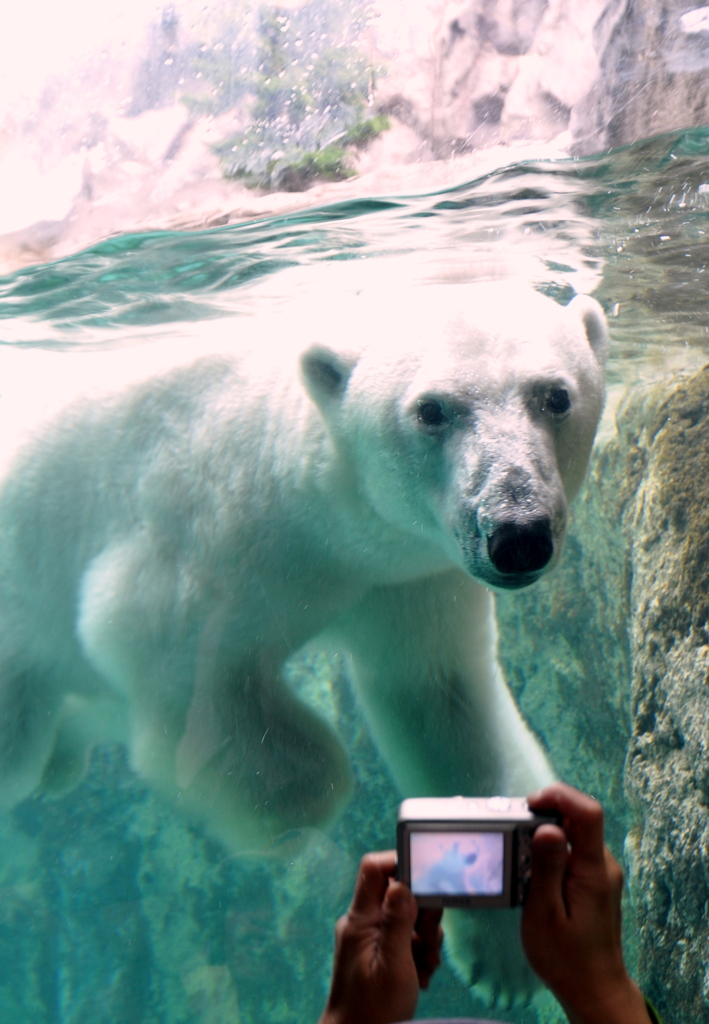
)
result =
(124, 145)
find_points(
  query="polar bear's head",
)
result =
(466, 415)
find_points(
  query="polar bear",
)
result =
(170, 535)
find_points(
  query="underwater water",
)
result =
(114, 907)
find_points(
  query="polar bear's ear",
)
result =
(325, 373)
(593, 318)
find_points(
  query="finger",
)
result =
(615, 872)
(375, 870)
(550, 856)
(615, 877)
(583, 818)
(426, 972)
(427, 944)
(340, 928)
(428, 924)
(398, 918)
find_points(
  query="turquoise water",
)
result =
(646, 205)
(116, 909)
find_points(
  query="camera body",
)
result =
(467, 851)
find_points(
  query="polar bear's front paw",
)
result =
(485, 951)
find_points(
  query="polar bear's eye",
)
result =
(431, 413)
(558, 401)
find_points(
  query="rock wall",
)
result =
(610, 72)
(653, 59)
(468, 75)
(667, 773)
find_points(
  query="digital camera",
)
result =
(467, 851)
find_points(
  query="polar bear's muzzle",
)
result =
(521, 548)
(513, 526)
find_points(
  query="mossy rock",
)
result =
(667, 772)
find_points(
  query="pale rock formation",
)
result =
(468, 74)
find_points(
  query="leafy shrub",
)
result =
(308, 86)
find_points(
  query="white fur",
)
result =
(170, 535)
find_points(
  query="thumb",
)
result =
(550, 855)
(399, 913)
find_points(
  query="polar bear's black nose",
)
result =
(521, 547)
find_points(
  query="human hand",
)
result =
(385, 949)
(571, 921)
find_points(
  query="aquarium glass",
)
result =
(175, 179)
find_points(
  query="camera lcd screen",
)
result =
(457, 863)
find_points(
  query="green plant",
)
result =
(247, 157)
(308, 86)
